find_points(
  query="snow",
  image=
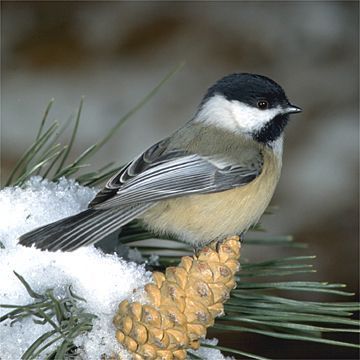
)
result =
(103, 280)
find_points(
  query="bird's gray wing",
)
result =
(159, 174)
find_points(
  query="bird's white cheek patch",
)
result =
(249, 118)
(234, 115)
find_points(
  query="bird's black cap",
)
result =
(249, 89)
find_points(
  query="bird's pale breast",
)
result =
(202, 218)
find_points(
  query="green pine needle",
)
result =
(72, 139)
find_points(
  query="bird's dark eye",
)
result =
(262, 104)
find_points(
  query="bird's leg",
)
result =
(197, 249)
(241, 237)
(219, 241)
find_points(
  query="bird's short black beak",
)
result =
(292, 109)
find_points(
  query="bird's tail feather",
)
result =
(82, 229)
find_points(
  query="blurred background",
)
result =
(114, 53)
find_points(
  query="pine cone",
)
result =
(183, 303)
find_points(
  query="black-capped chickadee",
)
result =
(212, 178)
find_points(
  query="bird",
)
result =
(212, 178)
